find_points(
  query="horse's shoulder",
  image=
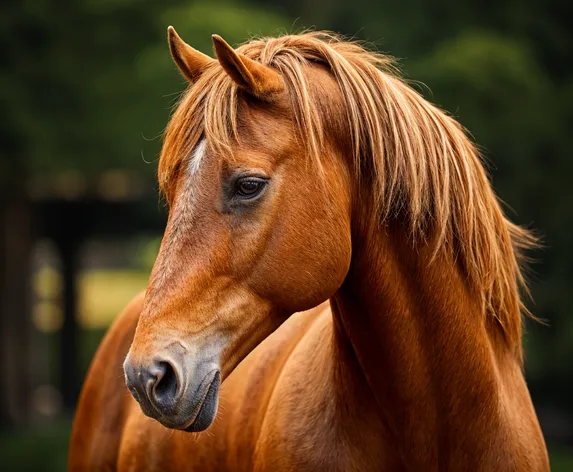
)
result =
(101, 410)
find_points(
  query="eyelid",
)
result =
(261, 180)
(249, 174)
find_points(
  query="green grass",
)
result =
(561, 458)
(103, 294)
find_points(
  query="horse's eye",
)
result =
(249, 187)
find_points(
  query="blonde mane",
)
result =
(420, 160)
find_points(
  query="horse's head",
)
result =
(257, 229)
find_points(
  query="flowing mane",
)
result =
(418, 160)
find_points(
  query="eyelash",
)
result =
(246, 196)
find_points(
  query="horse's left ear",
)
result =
(257, 79)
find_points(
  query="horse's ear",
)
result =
(191, 63)
(257, 79)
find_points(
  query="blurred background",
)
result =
(86, 88)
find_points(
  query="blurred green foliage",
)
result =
(89, 85)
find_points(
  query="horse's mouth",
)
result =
(194, 413)
(206, 408)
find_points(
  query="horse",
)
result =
(337, 288)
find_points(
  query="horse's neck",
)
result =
(425, 348)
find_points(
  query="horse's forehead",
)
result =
(263, 133)
(241, 157)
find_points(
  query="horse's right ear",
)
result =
(191, 63)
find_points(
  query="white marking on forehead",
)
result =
(197, 157)
(182, 218)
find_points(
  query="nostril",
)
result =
(166, 385)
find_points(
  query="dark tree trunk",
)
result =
(15, 257)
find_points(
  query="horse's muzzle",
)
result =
(166, 392)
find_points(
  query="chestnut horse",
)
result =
(302, 169)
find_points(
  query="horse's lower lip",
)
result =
(196, 412)
(212, 382)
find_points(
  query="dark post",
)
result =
(68, 245)
(15, 251)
